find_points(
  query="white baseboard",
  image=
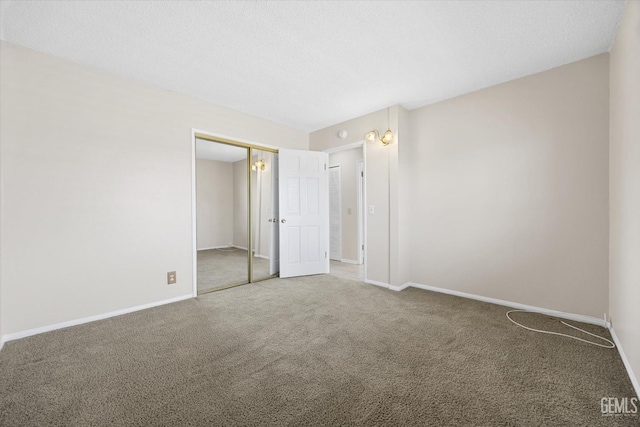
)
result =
(561, 314)
(35, 331)
(239, 247)
(625, 361)
(375, 282)
(400, 288)
(349, 261)
(261, 256)
(1, 343)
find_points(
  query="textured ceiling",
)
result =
(313, 64)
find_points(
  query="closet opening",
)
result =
(236, 205)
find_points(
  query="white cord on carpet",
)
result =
(563, 335)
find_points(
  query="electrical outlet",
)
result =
(171, 278)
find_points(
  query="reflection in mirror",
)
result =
(221, 215)
(264, 201)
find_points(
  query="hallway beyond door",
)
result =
(347, 271)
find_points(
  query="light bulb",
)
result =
(371, 136)
(387, 138)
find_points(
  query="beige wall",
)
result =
(1, 185)
(624, 187)
(510, 190)
(380, 184)
(240, 211)
(347, 160)
(214, 196)
(96, 173)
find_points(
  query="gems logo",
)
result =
(619, 406)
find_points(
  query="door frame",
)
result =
(361, 205)
(229, 140)
(362, 216)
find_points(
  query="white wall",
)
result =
(624, 187)
(214, 195)
(96, 174)
(347, 160)
(510, 190)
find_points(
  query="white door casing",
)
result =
(361, 228)
(304, 212)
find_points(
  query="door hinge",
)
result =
(325, 166)
(363, 247)
(325, 254)
(362, 174)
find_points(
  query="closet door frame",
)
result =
(250, 146)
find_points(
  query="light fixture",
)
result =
(259, 165)
(386, 138)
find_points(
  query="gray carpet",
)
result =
(317, 350)
(220, 268)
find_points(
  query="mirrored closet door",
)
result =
(221, 215)
(236, 214)
(264, 214)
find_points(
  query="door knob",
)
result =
(270, 220)
(283, 221)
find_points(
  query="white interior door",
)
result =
(304, 212)
(274, 252)
(335, 213)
